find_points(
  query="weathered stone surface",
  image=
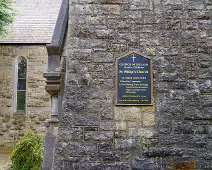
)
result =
(99, 136)
(66, 134)
(126, 143)
(99, 165)
(205, 154)
(107, 125)
(109, 156)
(205, 164)
(196, 141)
(127, 113)
(144, 164)
(157, 152)
(14, 125)
(76, 148)
(171, 139)
(173, 133)
(121, 125)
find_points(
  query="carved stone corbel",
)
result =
(52, 82)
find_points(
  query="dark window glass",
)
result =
(22, 69)
(21, 100)
(21, 86)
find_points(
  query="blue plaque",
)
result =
(133, 80)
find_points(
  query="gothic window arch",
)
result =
(21, 85)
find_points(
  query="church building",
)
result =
(24, 103)
(130, 85)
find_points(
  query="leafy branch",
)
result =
(6, 15)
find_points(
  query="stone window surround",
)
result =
(15, 79)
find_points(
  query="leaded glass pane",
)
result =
(22, 68)
(21, 100)
(21, 84)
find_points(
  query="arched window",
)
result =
(21, 85)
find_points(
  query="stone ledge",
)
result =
(19, 113)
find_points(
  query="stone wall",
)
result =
(13, 126)
(174, 133)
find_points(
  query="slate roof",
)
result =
(35, 21)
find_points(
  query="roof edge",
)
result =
(55, 47)
(20, 43)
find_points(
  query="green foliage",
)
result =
(6, 15)
(28, 153)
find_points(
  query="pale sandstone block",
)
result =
(128, 113)
(121, 125)
(148, 120)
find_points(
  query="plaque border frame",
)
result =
(116, 84)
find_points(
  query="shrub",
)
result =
(28, 153)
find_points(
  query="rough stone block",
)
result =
(98, 165)
(172, 139)
(204, 63)
(107, 113)
(163, 151)
(185, 164)
(121, 125)
(105, 146)
(106, 10)
(77, 148)
(172, 2)
(135, 132)
(193, 113)
(194, 129)
(205, 154)
(196, 141)
(86, 119)
(205, 165)
(105, 34)
(148, 120)
(126, 143)
(103, 57)
(172, 77)
(85, 9)
(109, 156)
(179, 85)
(205, 74)
(144, 164)
(107, 125)
(176, 94)
(147, 132)
(127, 113)
(67, 134)
(141, 5)
(165, 126)
(206, 100)
(116, 2)
(194, 5)
(151, 141)
(205, 24)
(134, 124)
(99, 136)
(120, 134)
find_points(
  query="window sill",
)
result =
(21, 113)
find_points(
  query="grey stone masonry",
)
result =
(176, 131)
